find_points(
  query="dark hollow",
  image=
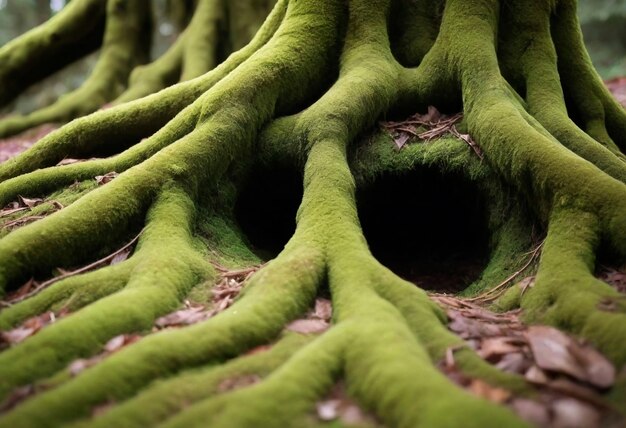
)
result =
(428, 227)
(266, 208)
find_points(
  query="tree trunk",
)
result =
(277, 154)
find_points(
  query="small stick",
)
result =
(77, 271)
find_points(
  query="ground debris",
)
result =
(570, 375)
(337, 405)
(27, 204)
(229, 285)
(316, 321)
(12, 146)
(29, 327)
(237, 382)
(32, 287)
(617, 87)
(427, 126)
(616, 278)
(106, 178)
(112, 346)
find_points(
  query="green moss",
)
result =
(125, 45)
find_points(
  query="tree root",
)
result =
(387, 335)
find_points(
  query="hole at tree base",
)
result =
(427, 227)
(266, 208)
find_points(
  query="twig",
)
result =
(89, 267)
(484, 296)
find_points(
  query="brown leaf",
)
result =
(306, 326)
(323, 309)
(183, 317)
(328, 410)
(535, 375)
(238, 382)
(483, 389)
(23, 290)
(121, 256)
(555, 351)
(104, 179)
(513, 363)
(532, 411)
(79, 365)
(496, 346)
(570, 413)
(30, 202)
(401, 139)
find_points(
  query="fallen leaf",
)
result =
(104, 179)
(328, 410)
(570, 413)
(531, 411)
(555, 351)
(497, 346)
(30, 202)
(238, 382)
(323, 309)
(121, 256)
(535, 375)
(482, 389)
(513, 363)
(182, 317)
(307, 326)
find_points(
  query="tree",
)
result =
(183, 167)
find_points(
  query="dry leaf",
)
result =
(570, 413)
(120, 257)
(104, 179)
(328, 410)
(531, 411)
(496, 346)
(555, 351)
(323, 309)
(308, 326)
(535, 375)
(30, 203)
(513, 363)
(183, 317)
(237, 382)
(491, 393)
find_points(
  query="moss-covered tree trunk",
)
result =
(303, 97)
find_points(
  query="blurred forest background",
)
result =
(603, 22)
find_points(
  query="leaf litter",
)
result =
(569, 374)
(229, 286)
(29, 327)
(338, 406)
(32, 287)
(24, 204)
(428, 126)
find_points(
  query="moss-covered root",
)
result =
(125, 44)
(582, 203)
(598, 111)
(194, 53)
(277, 294)
(533, 66)
(71, 34)
(119, 127)
(70, 294)
(387, 366)
(166, 266)
(163, 400)
(566, 293)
